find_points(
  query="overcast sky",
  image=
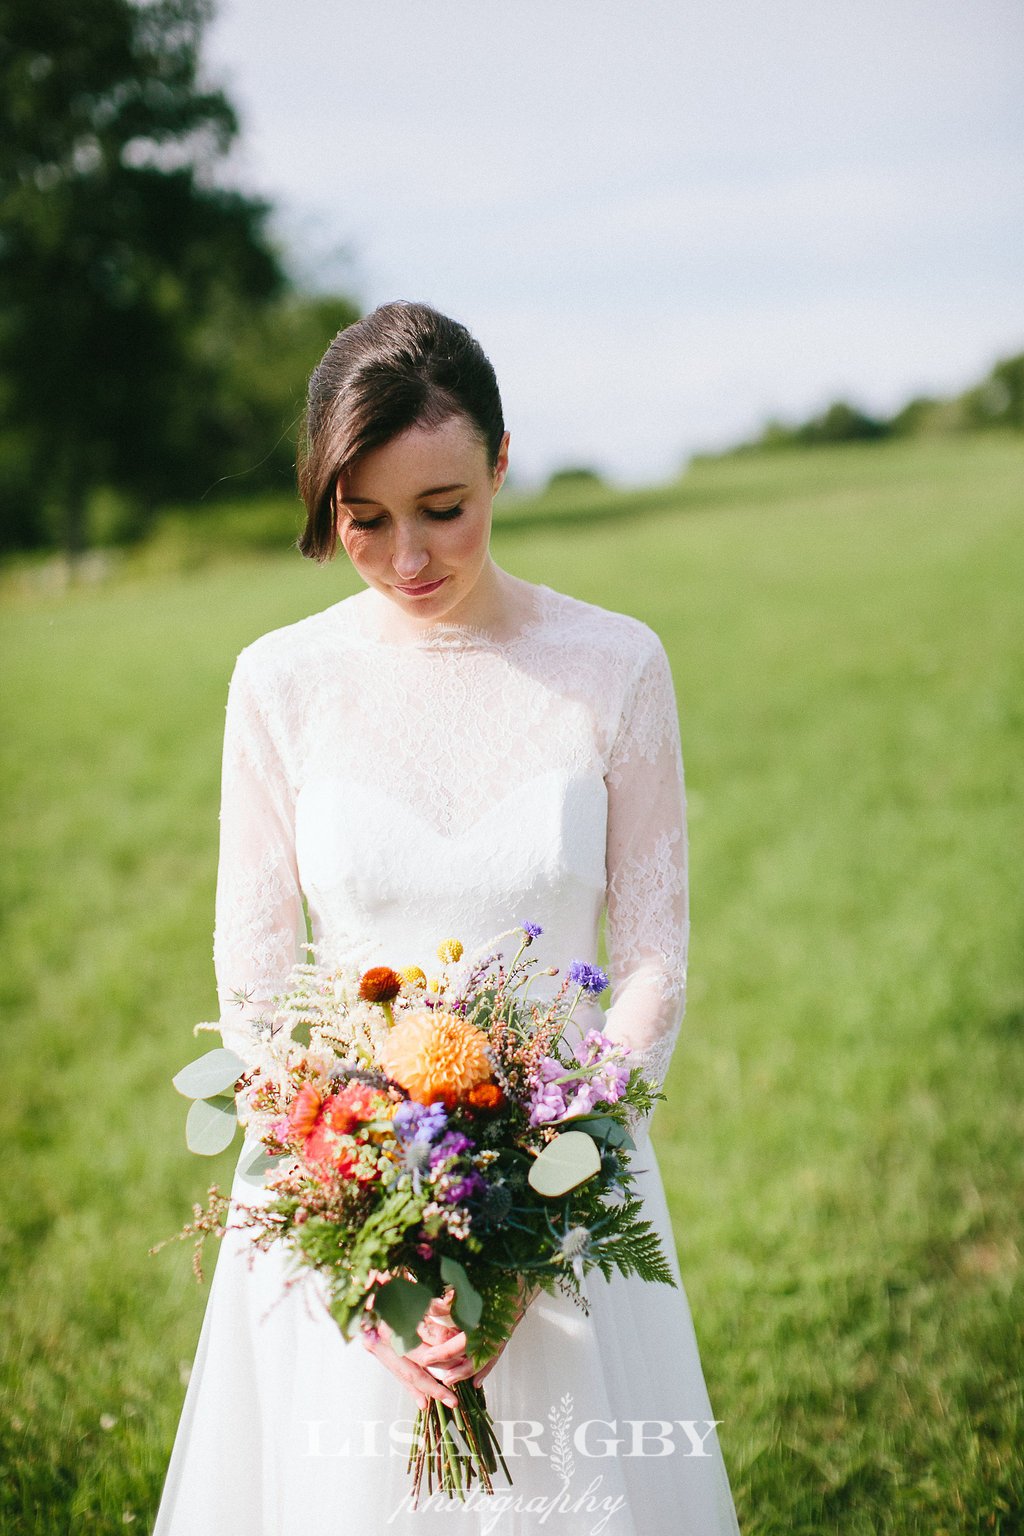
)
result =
(664, 221)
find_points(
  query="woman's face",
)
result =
(414, 517)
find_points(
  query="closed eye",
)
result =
(436, 514)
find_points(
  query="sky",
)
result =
(664, 222)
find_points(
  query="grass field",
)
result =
(844, 1142)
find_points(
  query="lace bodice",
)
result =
(452, 785)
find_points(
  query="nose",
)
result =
(409, 557)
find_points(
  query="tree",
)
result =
(999, 400)
(574, 477)
(251, 416)
(116, 247)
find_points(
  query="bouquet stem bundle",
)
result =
(453, 1447)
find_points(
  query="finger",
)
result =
(439, 1354)
(439, 1389)
(461, 1371)
(419, 1382)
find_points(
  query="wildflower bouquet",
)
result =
(418, 1139)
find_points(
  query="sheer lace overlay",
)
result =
(402, 794)
(452, 785)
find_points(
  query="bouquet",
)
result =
(435, 1138)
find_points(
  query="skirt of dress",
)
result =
(605, 1421)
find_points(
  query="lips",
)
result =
(424, 588)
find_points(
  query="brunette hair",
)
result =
(404, 365)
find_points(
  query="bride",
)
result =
(450, 752)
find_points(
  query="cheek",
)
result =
(468, 541)
(359, 548)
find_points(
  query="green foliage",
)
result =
(627, 1242)
(144, 308)
(996, 402)
(210, 1125)
(402, 1304)
(467, 1303)
(499, 1294)
(209, 1075)
(567, 1160)
(999, 400)
(842, 1138)
(574, 478)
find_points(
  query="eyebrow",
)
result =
(367, 501)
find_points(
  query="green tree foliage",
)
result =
(998, 401)
(840, 423)
(258, 364)
(574, 478)
(124, 270)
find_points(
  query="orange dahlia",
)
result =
(436, 1056)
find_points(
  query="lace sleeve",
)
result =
(260, 924)
(647, 884)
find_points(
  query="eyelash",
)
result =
(440, 515)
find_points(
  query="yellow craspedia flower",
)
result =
(413, 979)
(436, 1056)
(449, 952)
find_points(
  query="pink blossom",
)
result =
(547, 1103)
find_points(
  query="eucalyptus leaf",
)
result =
(210, 1126)
(213, 1073)
(402, 1304)
(468, 1304)
(565, 1162)
(254, 1164)
(604, 1129)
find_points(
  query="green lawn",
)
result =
(844, 1142)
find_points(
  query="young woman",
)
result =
(449, 752)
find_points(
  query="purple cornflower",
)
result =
(532, 931)
(419, 1122)
(468, 1188)
(451, 1145)
(590, 977)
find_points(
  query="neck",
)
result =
(497, 606)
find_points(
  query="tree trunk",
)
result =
(75, 531)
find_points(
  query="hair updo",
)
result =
(405, 365)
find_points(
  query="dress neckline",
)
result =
(442, 636)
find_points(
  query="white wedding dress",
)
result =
(450, 786)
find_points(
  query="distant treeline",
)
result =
(997, 402)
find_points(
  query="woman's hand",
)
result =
(443, 1346)
(433, 1367)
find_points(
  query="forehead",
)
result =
(418, 459)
